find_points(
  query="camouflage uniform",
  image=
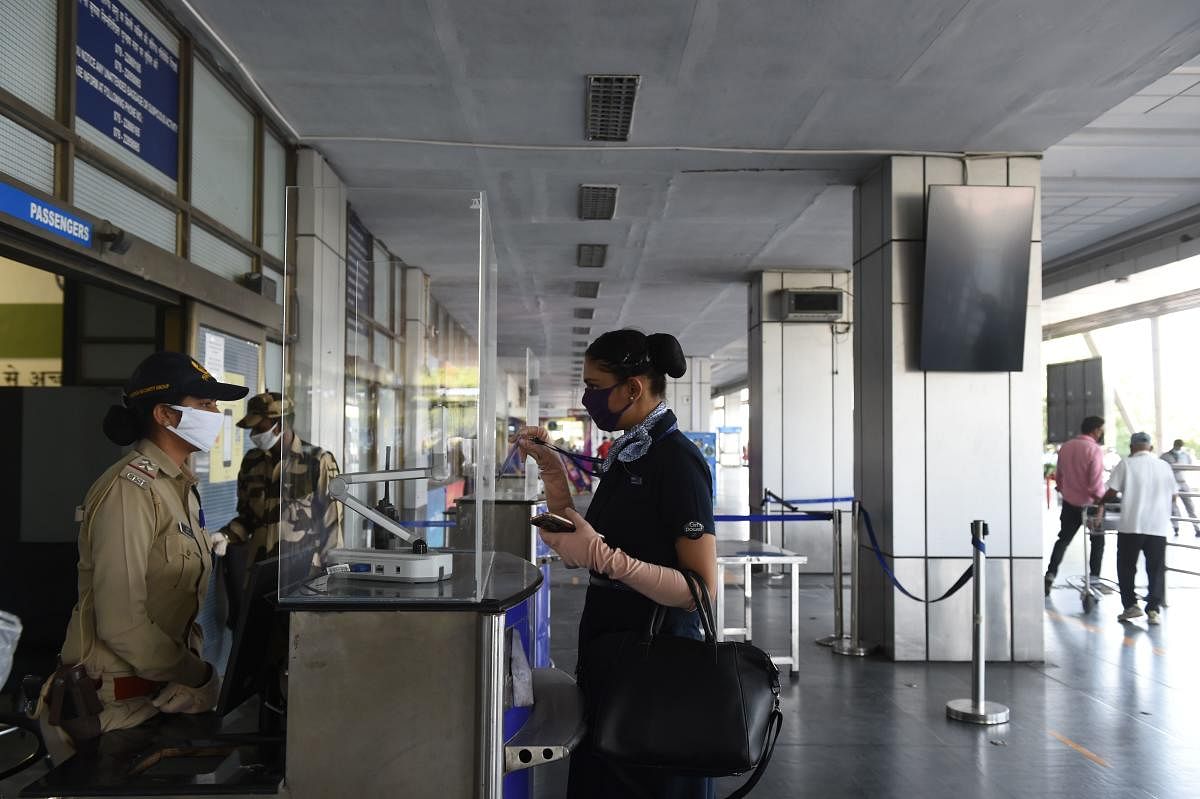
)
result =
(307, 511)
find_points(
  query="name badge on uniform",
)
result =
(635, 479)
(186, 530)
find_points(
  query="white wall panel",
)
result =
(967, 462)
(28, 51)
(909, 634)
(1028, 172)
(216, 255)
(1026, 443)
(108, 198)
(26, 156)
(907, 428)
(904, 201)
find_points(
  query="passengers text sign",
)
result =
(127, 83)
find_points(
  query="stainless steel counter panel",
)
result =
(373, 713)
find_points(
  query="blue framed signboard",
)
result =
(707, 444)
(127, 83)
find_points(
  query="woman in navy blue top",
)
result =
(650, 516)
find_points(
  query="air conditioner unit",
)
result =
(259, 284)
(812, 305)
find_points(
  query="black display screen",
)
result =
(977, 256)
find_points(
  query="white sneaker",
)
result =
(1132, 612)
(1153, 617)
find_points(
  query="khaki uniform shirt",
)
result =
(307, 510)
(143, 570)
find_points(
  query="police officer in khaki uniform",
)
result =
(307, 512)
(144, 561)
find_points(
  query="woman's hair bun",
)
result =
(122, 425)
(666, 355)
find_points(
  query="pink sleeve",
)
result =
(1096, 474)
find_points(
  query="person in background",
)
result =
(1178, 457)
(1146, 486)
(308, 512)
(132, 649)
(650, 517)
(1080, 480)
(604, 447)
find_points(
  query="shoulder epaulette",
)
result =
(140, 471)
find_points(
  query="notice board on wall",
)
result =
(127, 83)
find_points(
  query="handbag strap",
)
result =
(700, 598)
(773, 729)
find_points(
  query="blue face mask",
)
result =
(595, 400)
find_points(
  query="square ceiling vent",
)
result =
(585, 313)
(597, 201)
(609, 112)
(592, 256)
(581, 331)
(587, 289)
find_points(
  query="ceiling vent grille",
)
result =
(581, 331)
(592, 256)
(610, 101)
(597, 201)
(585, 313)
(587, 289)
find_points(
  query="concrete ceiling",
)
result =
(1135, 164)
(953, 75)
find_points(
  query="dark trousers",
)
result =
(1129, 546)
(1072, 518)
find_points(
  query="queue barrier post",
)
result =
(977, 710)
(852, 646)
(839, 633)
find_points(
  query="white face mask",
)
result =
(198, 428)
(266, 440)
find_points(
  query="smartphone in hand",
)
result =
(553, 523)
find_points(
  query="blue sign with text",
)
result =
(127, 84)
(35, 211)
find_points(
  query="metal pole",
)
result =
(852, 646)
(838, 612)
(977, 710)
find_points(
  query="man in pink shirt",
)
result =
(1080, 479)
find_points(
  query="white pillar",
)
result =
(801, 400)
(318, 345)
(935, 450)
(416, 393)
(689, 396)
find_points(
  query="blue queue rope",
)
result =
(820, 501)
(963, 580)
(799, 516)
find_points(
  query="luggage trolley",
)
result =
(1091, 589)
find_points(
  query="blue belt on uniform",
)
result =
(600, 581)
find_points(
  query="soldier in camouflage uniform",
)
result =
(307, 512)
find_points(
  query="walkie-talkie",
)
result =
(380, 538)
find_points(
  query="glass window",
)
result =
(216, 255)
(274, 185)
(382, 352)
(222, 152)
(26, 156)
(383, 287)
(28, 51)
(108, 198)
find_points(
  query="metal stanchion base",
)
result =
(966, 710)
(829, 640)
(849, 648)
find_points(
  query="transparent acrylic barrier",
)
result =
(390, 363)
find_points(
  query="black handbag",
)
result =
(699, 708)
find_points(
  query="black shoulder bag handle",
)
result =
(703, 603)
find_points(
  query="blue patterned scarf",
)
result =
(635, 442)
